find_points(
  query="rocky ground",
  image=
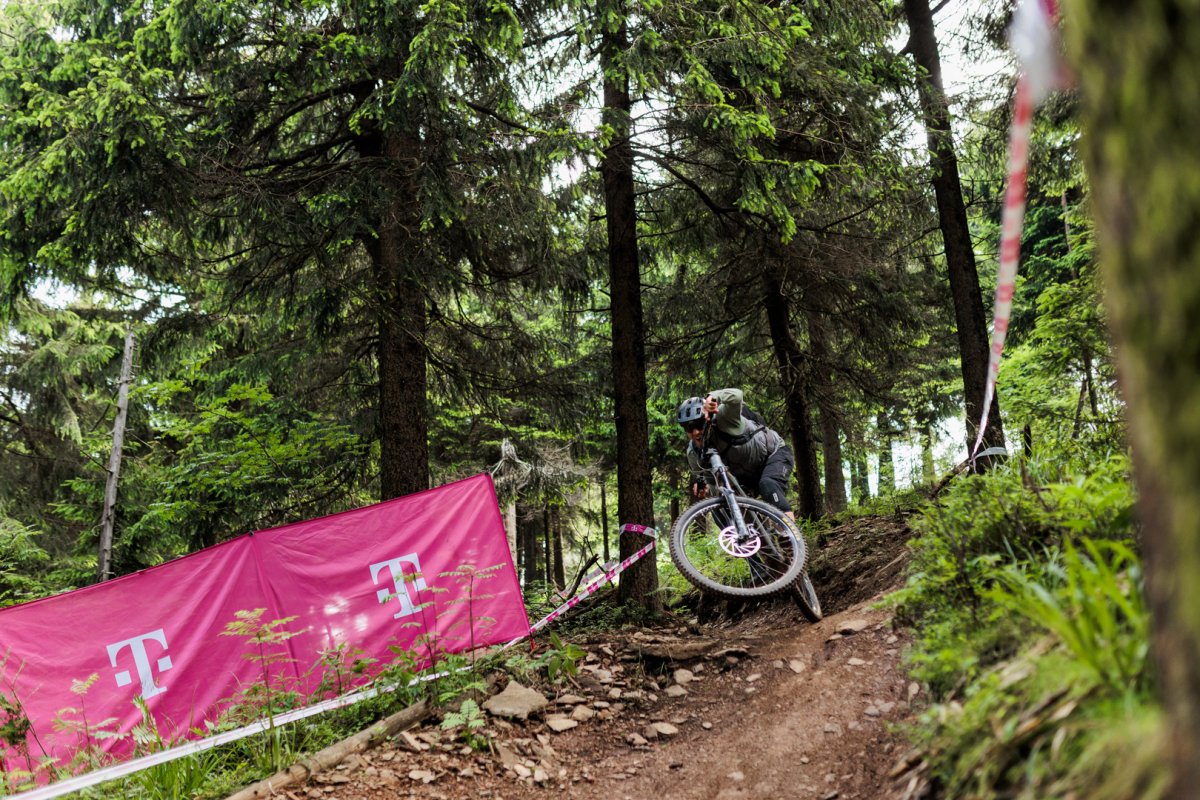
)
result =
(764, 706)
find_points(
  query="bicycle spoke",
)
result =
(762, 558)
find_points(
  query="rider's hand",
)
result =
(699, 489)
(710, 406)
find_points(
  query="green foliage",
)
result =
(271, 694)
(469, 717)
(1092, 603)
(986, 523)
(1032, 633)
(561, 659)
(22, 564)
(179, 779)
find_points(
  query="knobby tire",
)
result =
(806, 597)
(697, 554)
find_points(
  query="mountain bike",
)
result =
(738, 546)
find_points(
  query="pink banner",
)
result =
(430, 572)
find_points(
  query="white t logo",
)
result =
(141, 662)
(400, 583)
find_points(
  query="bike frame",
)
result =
(726, 484)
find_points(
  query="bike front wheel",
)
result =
(710, 552)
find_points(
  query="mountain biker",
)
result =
(756, 455)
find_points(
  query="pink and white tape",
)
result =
(607, 577)
(1033, 37)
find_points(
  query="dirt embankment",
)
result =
(766, 706)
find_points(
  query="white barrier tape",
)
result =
(1034, 37)
(116, 771)
(1013, 220)
(591, 576)
(607, 576)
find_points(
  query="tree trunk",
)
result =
(604, 516)
(887, 467)
(831, 442)
(860, 485)
(1088, 387)
(533, 572)
(791, 378)
(956, 235)
(547, 547)
(635, 503)
(108, 514)
(556, 522)
(1131, 60)
(510, 529)
(403, 321)
(928, 468)
(521, 560)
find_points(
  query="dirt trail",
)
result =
(772, 707)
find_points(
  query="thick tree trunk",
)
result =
(533, 573)
(831, 450)
(956, 236)
(635, 503)
(1134, 61)
(403, 321)
(791, 377)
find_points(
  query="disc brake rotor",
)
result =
(736, 546)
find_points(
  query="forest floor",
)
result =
(765, 705)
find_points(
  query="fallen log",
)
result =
(336, 753)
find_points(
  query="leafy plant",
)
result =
(561, 658)
(90, 755)
(469, 717)
(341, 666)
(1093, 604)
(179, 779)
(262, 635)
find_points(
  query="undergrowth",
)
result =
(1031, 635)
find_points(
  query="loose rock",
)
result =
(515, 701)
(560, 724)
(664, 728)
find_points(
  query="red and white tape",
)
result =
(607, 577)
(1033, 37)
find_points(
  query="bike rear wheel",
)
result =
(806, 597)
(708, 550)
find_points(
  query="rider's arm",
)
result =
(729, 410)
